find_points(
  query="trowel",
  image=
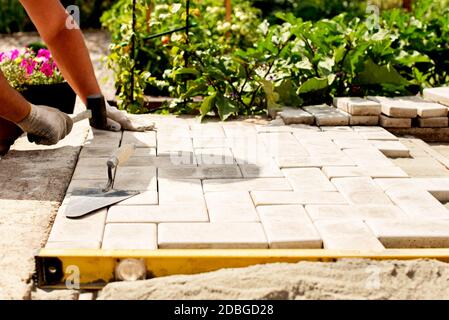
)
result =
(85, 201)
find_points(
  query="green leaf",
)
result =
(375, 74)
(287, 94)
(226, 107)
(313, 84)
(186, 73)
(207, 105)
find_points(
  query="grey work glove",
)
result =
(118, 120)
(45, 125)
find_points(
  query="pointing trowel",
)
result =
(85, 201)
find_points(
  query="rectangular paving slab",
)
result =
(440, 95)
(289, 227)
(231, 206)
(308, 179)
(426, 109)
(361, 190)
(411, 233)
(261, 198)
(358, 106)
(328, 116)
(396, 108)
(354, 212)
(296, 116)
(247, 184)
(211, 236)
(347, 235)
(130, 236)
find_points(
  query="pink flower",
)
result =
(29, 65)
(48, 68)
(44, 53)
(14, 54)
(2, 54)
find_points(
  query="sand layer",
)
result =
(345, 279)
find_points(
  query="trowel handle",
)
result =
(122, 155)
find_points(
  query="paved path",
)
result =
(243, 185)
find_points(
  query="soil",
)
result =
(344, 279)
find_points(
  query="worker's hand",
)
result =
(121, 118)
(45, 125)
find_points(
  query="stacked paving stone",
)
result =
(361, 112)
(241, 185)
(400, 112)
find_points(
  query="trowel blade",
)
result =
(85, 201)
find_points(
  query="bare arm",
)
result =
(66, 45)
(13, 106)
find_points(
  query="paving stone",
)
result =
(140, 139)
(361, 190)
(338, 159)
(175, 147)
(91, 172)
(86, 184)
(392, 149)
(268, 169)
(389, 122)
(363, 120)
(158, 214)
(144, 198)
(422, 167)
(349, 135)
(207, 130)
(426, 109)
(173, 131)
(327, 116)
(340, 129)
(92, 162)
(368, 157)
(214, 156)
(361, 129)
(136, 178)
(373, 172)
(86, 230)
(73, 245)
(130, 236)
(282, 144)
(347, 235)
(87, 296)
(262, 198)
(188, 160)
(145, 152)
(351, 143)
(438, 187)
(231, 206)
(251, 154)
(440, 95)
(354, 212)
(207, 142)
(320, 147)
(289, 227)
(101, 138)
(296, 116)
(238, 130)
(181, 192)
(260, 184)
(411, 233)
(358, 106)
(201, 172)
(308, 179)
(441, 122)
(395, 108)
(378, 135)
(211, 236)
(97, 152)
(418, 203)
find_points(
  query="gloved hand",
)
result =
(45, 125)
(117, 118)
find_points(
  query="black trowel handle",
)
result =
(121, 156)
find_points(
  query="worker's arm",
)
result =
(69, 50)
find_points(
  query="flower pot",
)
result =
(60, 96)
